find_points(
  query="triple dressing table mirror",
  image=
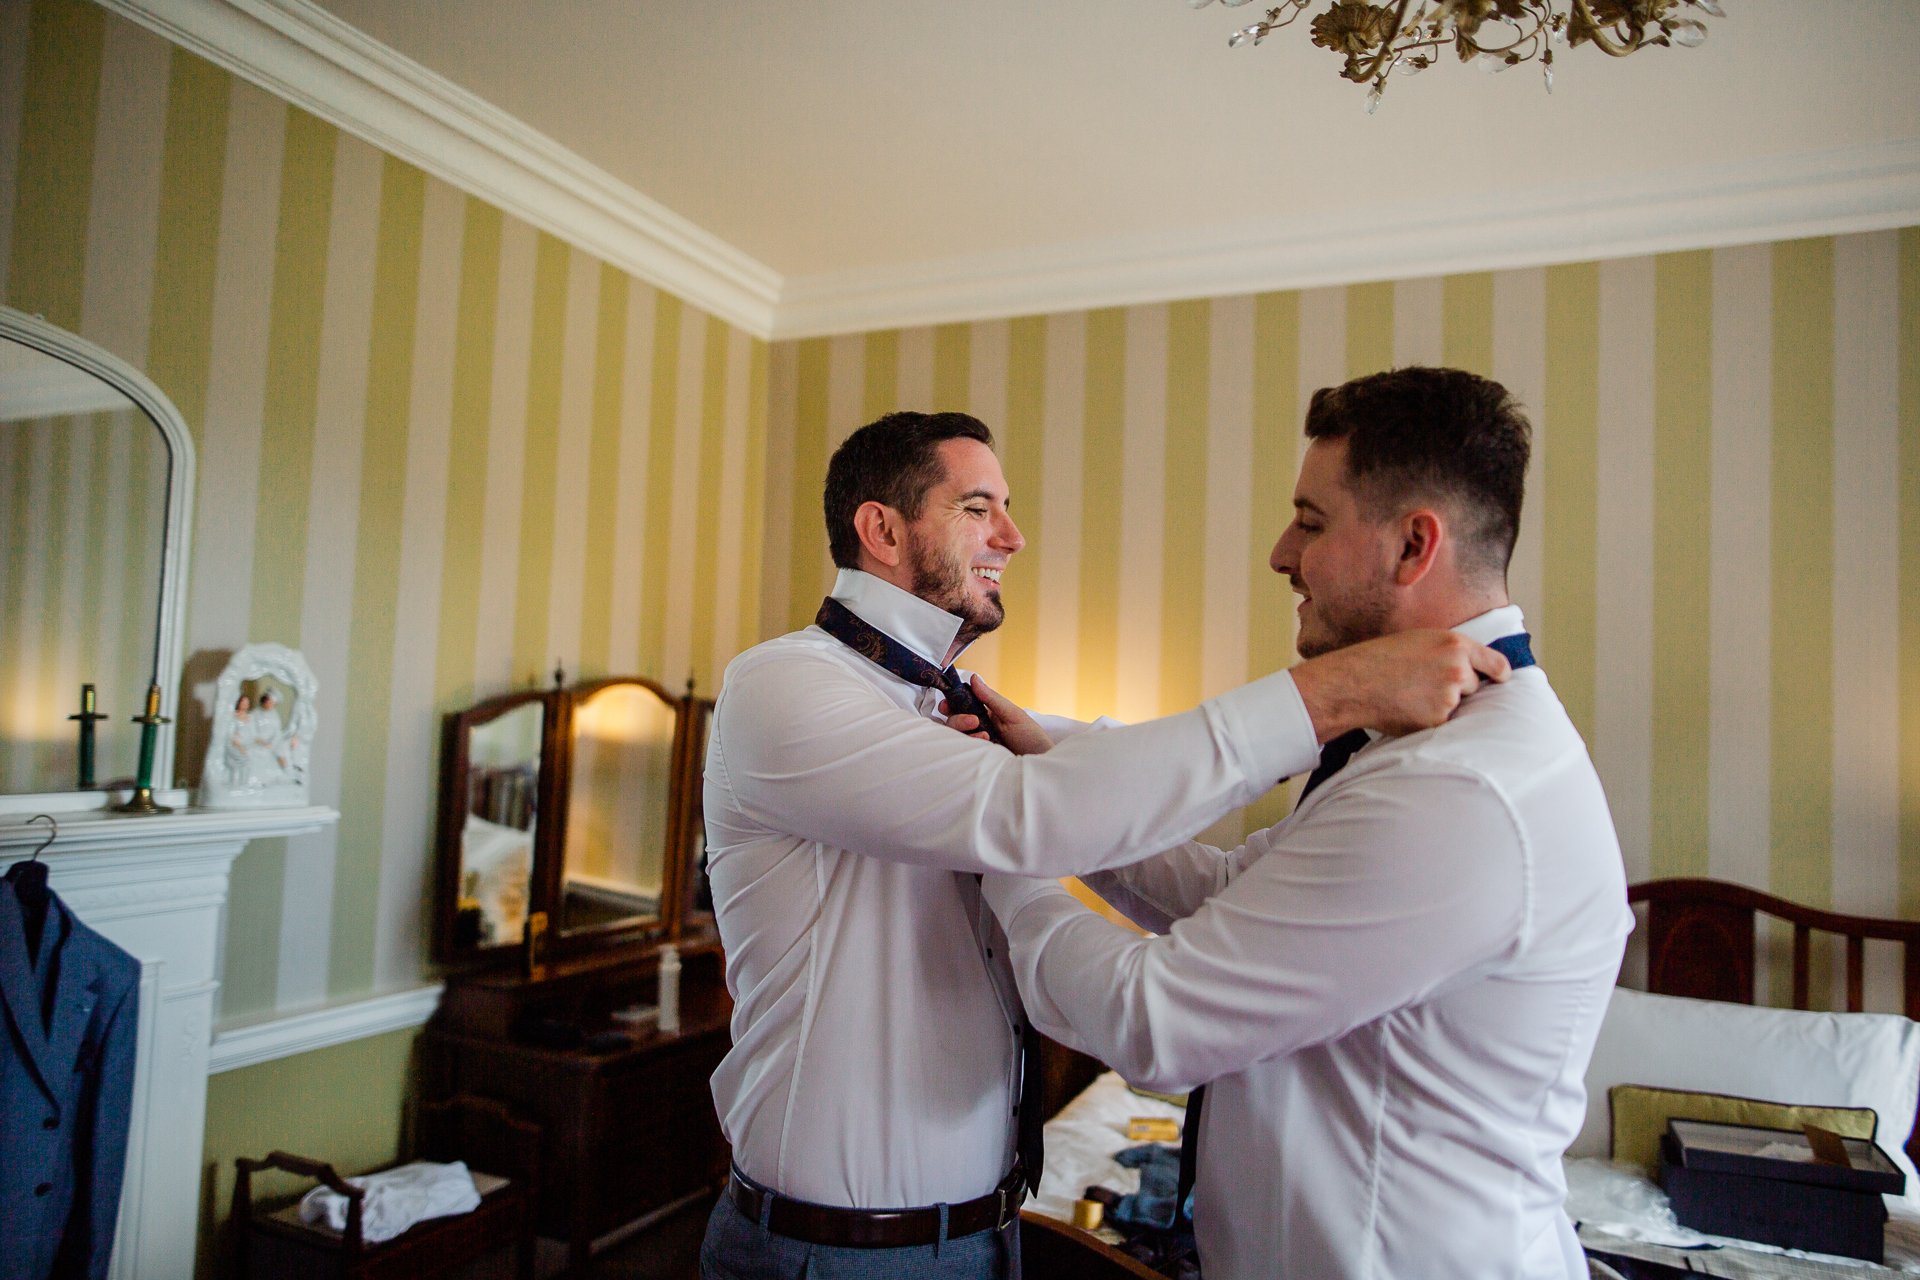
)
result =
(569, 848)
(568, 825)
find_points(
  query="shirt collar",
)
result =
(1494, 624)
(922, 626)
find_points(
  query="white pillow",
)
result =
(1780, 1055)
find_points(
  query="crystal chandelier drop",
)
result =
(1380, 39)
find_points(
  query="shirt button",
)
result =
(43, 1188)
(51, 1122)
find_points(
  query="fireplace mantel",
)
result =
(156, 886)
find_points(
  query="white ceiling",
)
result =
(854, 135)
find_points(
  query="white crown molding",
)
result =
(1865, 188)
(298, 51)
(249, 1044)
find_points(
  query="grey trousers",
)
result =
(738, 1248)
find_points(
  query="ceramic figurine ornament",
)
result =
(264, 719)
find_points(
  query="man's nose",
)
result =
(1006, 535)
(1283, 560)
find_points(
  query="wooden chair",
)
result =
(1054, 1250)
(482, 1132)
(1701, 938)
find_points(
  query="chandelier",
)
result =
(1380, 39)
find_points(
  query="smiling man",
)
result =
(1395, 991)
(872, 1095)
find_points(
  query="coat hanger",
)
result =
(29, 881)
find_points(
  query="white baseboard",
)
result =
(251, 1043)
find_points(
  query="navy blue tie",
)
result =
(1518, 652)
(1516, 649)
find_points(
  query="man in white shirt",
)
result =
(871, 1092)
(1393, 992)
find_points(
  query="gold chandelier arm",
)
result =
(1599, 34)
(1386, 55)
(1520, 38)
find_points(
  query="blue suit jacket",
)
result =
(66, 1089)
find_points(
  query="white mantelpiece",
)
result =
(156, 886)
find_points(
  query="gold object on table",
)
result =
(1088, 1214)
(142, 800)
(1152, 1129)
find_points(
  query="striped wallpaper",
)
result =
(439, 451)
(1720, 556)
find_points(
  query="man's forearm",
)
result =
(834, 763)
(1169, 886)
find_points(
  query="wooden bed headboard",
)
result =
(1701, 938)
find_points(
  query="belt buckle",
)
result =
(1001, 1217)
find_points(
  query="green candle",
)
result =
(142, 800)
(86, 718)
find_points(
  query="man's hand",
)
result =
(1397, 684)
(1017, 729)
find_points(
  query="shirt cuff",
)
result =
(1269, 729)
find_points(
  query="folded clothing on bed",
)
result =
(1152, 1204)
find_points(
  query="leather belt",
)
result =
(876, 1228)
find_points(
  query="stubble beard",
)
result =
(1366, 615)
(939, 581)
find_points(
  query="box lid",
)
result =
(1784, 1155)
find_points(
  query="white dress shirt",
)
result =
(873, 1059)
(1393, 994)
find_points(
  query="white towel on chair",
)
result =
(396, 1199)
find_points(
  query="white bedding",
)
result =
(1082, 1140)
(1621, 1201)
(1614, 1199)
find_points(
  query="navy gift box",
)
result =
(1767, 1185)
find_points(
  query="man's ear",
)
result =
(1421, 532)
(882, 533)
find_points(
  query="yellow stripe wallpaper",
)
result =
(1689, 535)
(440, 452)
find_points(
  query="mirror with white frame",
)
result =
(96, 473)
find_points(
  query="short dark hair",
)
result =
(893, 461)
(1423, 434)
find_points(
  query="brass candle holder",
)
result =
(142, 800)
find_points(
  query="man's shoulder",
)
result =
(1509, 734)
(810, 651)
(809, 644)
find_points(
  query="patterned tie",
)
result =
(877, 646)
(882, 649)
(1518, 652)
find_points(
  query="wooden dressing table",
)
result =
(627, 1120)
